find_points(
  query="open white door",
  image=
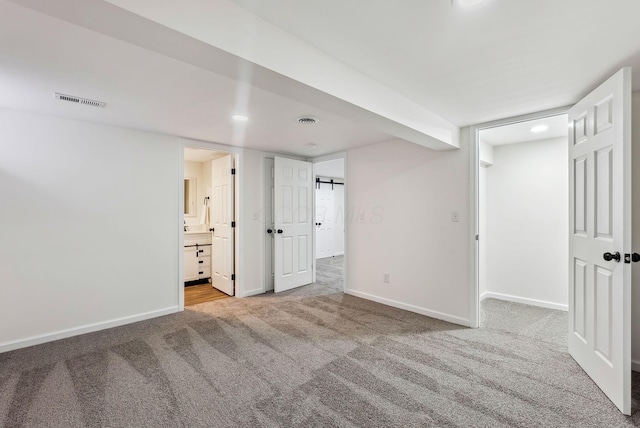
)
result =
(293, 208)
(222, 222)
(600, 235)
(324, 222)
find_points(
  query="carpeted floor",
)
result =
(310, 357)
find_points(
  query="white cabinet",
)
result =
(190, 264)
(197, 256)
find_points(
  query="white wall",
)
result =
(407, 194)
(486, 154)
(88, 221)
(527, 223)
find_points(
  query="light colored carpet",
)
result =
(310, 357)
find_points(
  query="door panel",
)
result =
(293, 211)
(222, 257)
(600, 217)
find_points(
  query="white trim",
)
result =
(314, 232)
(238, 233)
(236, 154)
(524, 300)
(180, 222)
(253, 292)
(345, 262)
(329, 157)
(635, 365)
(473, 137)
(89, 328)
(411, 308)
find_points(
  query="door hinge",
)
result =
(477, 237)
(233, 171)
(233, 224)
(233, 277)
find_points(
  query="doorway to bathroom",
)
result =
(209, 225)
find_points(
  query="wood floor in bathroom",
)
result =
(195, 294)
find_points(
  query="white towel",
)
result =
(204, 217)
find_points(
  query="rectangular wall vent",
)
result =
(78, 100)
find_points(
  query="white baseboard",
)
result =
(635, 365)
(524, 300)
(338, 254)
(411, 308)
(252, 292)
(89, 328)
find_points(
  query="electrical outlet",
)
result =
(385, 277)
(256, 216)
(455, 216)
(361, 216)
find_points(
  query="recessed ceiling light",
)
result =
(311, 145)
(467, 4)
(240, 117)
(539, 128)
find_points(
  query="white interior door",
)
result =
(222, 248)
(600, 227)
(293, 210)
(324, 222)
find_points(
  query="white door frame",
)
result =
(237, 155)
(474, 140)
(326, 158)
(269, 251)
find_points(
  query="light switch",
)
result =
(455, 216)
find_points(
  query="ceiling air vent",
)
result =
(308, 120)
(78, 100)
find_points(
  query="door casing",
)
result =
(237, 155)
(474, 138)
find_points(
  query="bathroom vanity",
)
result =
(197, 256)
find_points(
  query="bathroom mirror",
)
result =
(190, 197)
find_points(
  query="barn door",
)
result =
(293, 255)
(325, 245)
(600, 237)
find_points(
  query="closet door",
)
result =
(600, 237)
(325, 222)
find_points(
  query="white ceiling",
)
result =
(332, 169)
(40, 55)
(521, 132)
(507, 58)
